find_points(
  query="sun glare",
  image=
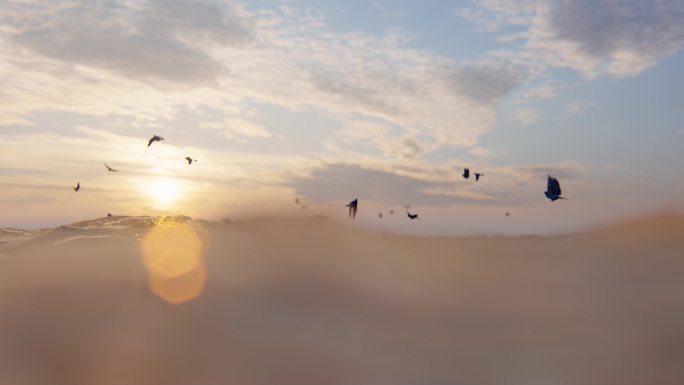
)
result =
(164, 192)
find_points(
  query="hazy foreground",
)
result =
(314, 302)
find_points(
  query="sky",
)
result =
(327, 101)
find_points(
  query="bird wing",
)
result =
(549, 185)
(149, 143)
(556, 187)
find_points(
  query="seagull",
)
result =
(190, 160)
(110, 169)
(477, 176)
(78, 186)
(155, 138)
(466, 173)
(353, 206)
(553, 190)
(412, 216)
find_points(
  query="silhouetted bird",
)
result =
(412, 216)
(379, 215)
(190, 160)
(78, 186)
(155, 138)
(110, 169)
(466, 173)
(109, 214)
(297, 200)
(508, 214)
(477, 176)
(553, 190)
(391, 212)
(353, 206)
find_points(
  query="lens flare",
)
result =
(172, 252)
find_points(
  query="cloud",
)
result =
(481, 152)
(147, 61)
(162, 41)
(526, 116)
(619, 38)
(13, 120)
(485, 84)
(238, 129)
(541, 91)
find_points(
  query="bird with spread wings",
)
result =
(553, 189)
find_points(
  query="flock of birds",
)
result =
(553, 193)
(553, 189)
(154, 138)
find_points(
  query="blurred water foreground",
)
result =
(143, 300)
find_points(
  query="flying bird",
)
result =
(78, 186)
(412, 216)
(110, 169)
(379, 215)
(477, 176)
(391, 212)
(155, 138)
(297, 200)
(190, 160)
(508, 214)
(466, 173)
(353, 206)
(553, 190)
(109, 214)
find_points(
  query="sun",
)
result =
(164, 192)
